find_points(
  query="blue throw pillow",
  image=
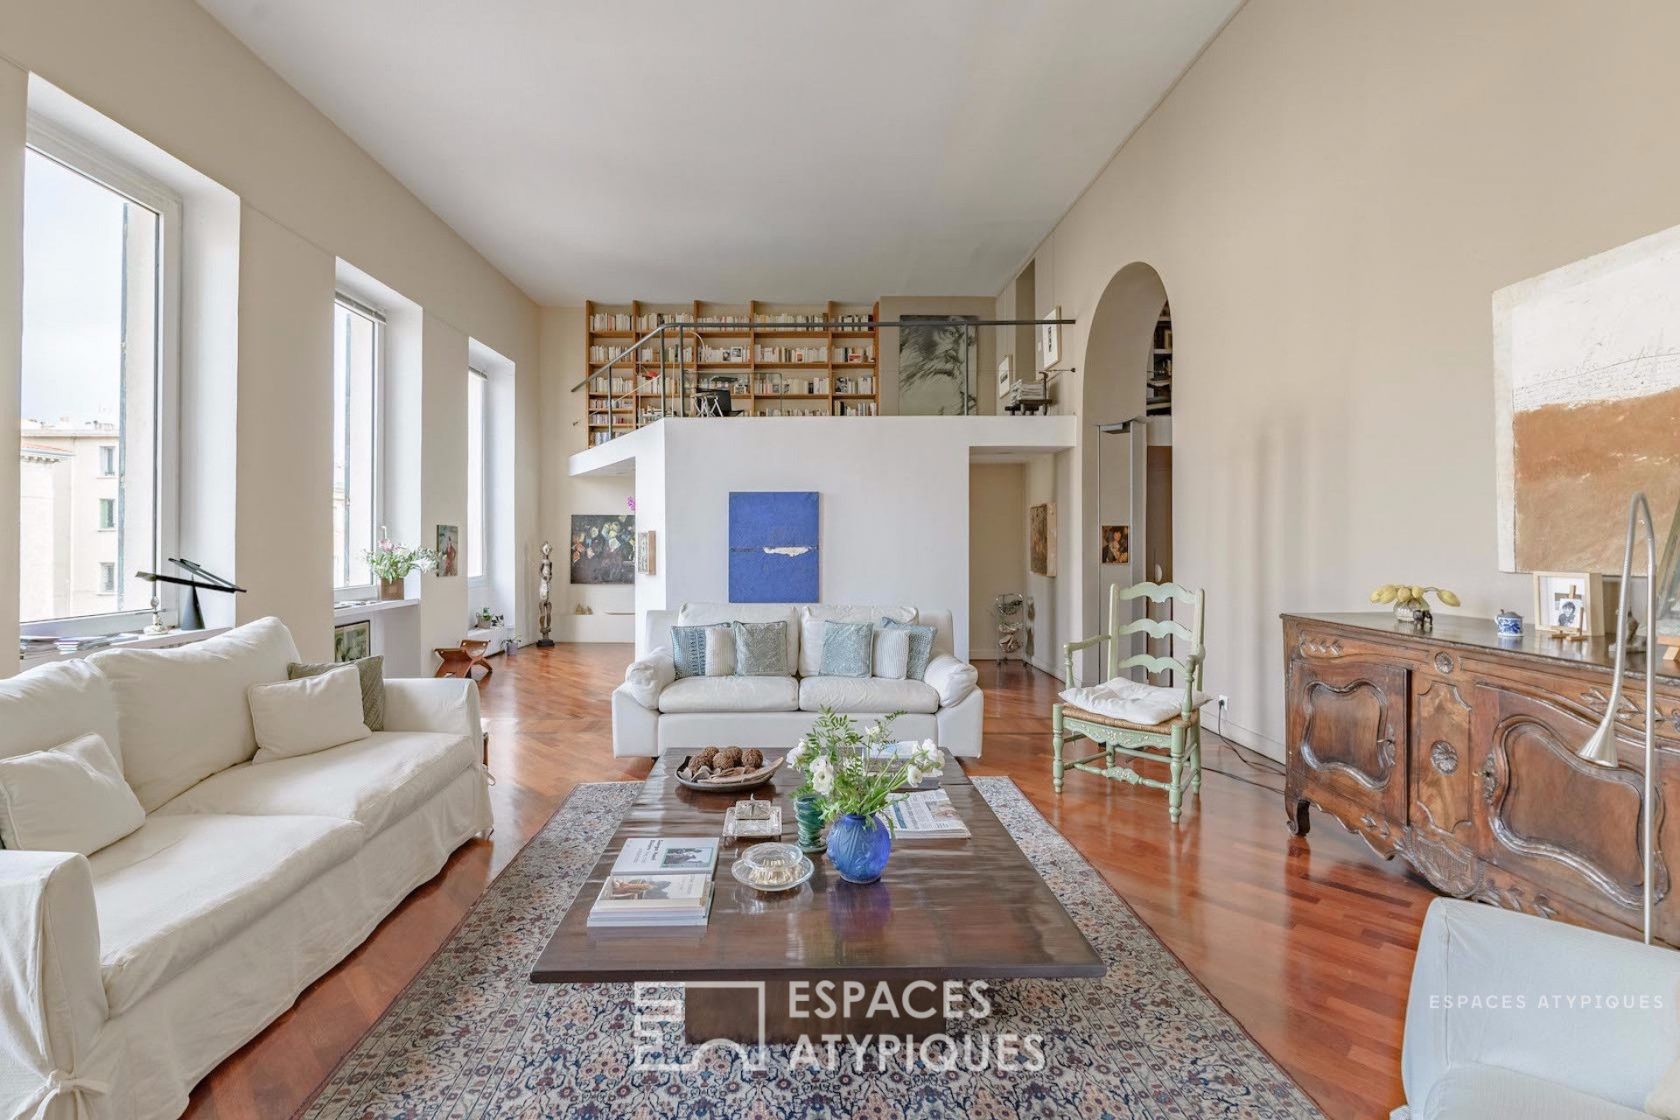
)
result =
(847, 649)
(921, 646)
(688, 650)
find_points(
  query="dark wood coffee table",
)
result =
(945, 910)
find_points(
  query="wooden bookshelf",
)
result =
(775, 367)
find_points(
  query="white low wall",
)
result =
(894, 499)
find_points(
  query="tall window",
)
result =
(358, 355)
(94, 450)
(478, 540)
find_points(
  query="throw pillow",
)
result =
(688, 650)
(720, 651)
(921, 646)
(304, 716)
(847, 649)
(761, 649)
(372, 671)
(892, 654)
(68, 798)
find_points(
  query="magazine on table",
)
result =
(652, 900)
(666, 855)
(925, 813)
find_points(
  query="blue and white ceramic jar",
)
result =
(1509, 624)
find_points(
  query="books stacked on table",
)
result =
(658, 882)
(925, 815)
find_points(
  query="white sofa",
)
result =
(1513, 1017)
(127, 975)
(653, 711)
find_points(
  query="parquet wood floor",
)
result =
(1307, 942)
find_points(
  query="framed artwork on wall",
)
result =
(1586, 385)
(1050, 341)
(647, 544)
(1041, 536)
(448, 550)
(1116, 544)
(936, 358)
(603, 548)
(773, 546)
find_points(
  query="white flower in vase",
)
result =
(798, 753)
(912, 775)
(822, 776)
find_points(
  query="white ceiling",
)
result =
(736, 149)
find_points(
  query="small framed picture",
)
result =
(1050, 341)
(352, 641)
(1569, 603)
(1005, 374)
(1116, 544)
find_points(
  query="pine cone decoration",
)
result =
(752, 758)
(727, 758)
(705, 756)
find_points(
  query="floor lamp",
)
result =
(1600, 749)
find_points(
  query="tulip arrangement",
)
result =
(835, 759)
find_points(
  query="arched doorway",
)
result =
(1125, 442)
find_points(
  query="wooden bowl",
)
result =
(735, 784)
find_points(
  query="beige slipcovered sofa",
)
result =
(127, 975)
(653, 711)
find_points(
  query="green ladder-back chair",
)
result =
(1180, 737)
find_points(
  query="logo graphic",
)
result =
(662, 1045)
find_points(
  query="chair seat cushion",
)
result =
(877, 695)
(374, 781)
(1478, 1092)
(181, 886)
(1069, 712)
(730, 694)
(1131, 701)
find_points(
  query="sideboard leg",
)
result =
(1296, 810)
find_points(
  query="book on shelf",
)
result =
(652, 900)
(645, 855)
(608, 321)
(925, 814)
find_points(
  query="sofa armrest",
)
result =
(1574, 1006)
(951, 678)
(432, 704)
(648, 676)
(52, 999)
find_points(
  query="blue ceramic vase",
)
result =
(858, 847)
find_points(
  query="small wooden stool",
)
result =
(462, 660)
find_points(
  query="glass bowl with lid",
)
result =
(772, 867)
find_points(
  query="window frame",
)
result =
(478, 585)
(350, 302)
(92, 161)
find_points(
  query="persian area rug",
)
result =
(472, 1037)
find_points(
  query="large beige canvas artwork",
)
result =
(1587, 374)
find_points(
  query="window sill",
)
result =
(342, 611)
(145, 641)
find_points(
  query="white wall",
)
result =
(167, 71)
(564, 428)
(14, 93)
(1331, 195)
(894, 499)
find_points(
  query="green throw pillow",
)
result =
(371, 670)
(761, 649)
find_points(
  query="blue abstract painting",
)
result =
(773, 546)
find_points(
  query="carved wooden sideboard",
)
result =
(1456, 750)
